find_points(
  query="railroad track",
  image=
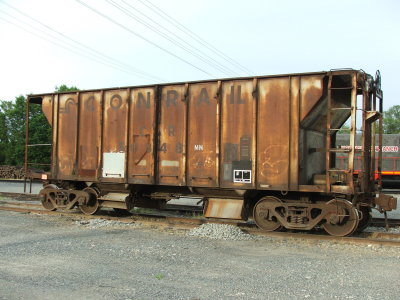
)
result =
(186, 223)
(391, 191)
(376, 222)
(380, 222)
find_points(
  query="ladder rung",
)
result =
(341, 88)
(342, 108)
(338, 171)
(339, 150)
(334, 129)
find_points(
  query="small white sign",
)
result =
(242, 176)
(114, 165)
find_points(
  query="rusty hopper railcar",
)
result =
(262, 147)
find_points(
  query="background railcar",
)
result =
(262, 147)
(390, 171)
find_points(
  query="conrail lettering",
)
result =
(172, 96)
(135, 147)
(203, 97)
(178, 148)
(89, 104)
(116, 102)
(66, 109)
(141, 99)
(238, 99)
(163, 147)
(171, 130)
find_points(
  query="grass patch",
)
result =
(159, 276)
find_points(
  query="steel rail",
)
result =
(185, 223)
(376, 222)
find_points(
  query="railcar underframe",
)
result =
(261, 147)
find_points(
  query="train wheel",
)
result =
(343, 221)
(261, 214)
(46, 200)
(92, 206)
(365, 219)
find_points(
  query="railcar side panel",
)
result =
(203, 134)
(114, 135)
(47, 108)
(89, 135)
(311, 90)
(172, 136)
(273, 133)
(238, 135)
(66, 138)
(294, 116)
(54, 147)
(141, 136)
(312, 124)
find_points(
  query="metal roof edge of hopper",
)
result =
(196, 81)
(342, 71)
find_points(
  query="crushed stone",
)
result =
(101, 223)
(220, 232)
(383, 229)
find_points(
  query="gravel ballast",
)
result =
(45, 257)
(220, 232)
(98, 223)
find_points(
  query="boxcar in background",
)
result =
(390, 171)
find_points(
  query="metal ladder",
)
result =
(331, 108)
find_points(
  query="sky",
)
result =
(93, 44)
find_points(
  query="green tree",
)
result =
(12, 131)
(3, 133)
(40, 130)
(63, 88)
(39, 133)
(391, 120)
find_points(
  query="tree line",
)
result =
(12, 130)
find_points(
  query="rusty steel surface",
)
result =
(66, 136)
(266, 133)
(89, 135)
(115, 135)
(172, 136)
(224, 208)
(274, 133)
(203, 135)
(311, 89)
(47, 108)
(237, 135)
(142, 122)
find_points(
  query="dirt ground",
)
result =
(46, 257)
